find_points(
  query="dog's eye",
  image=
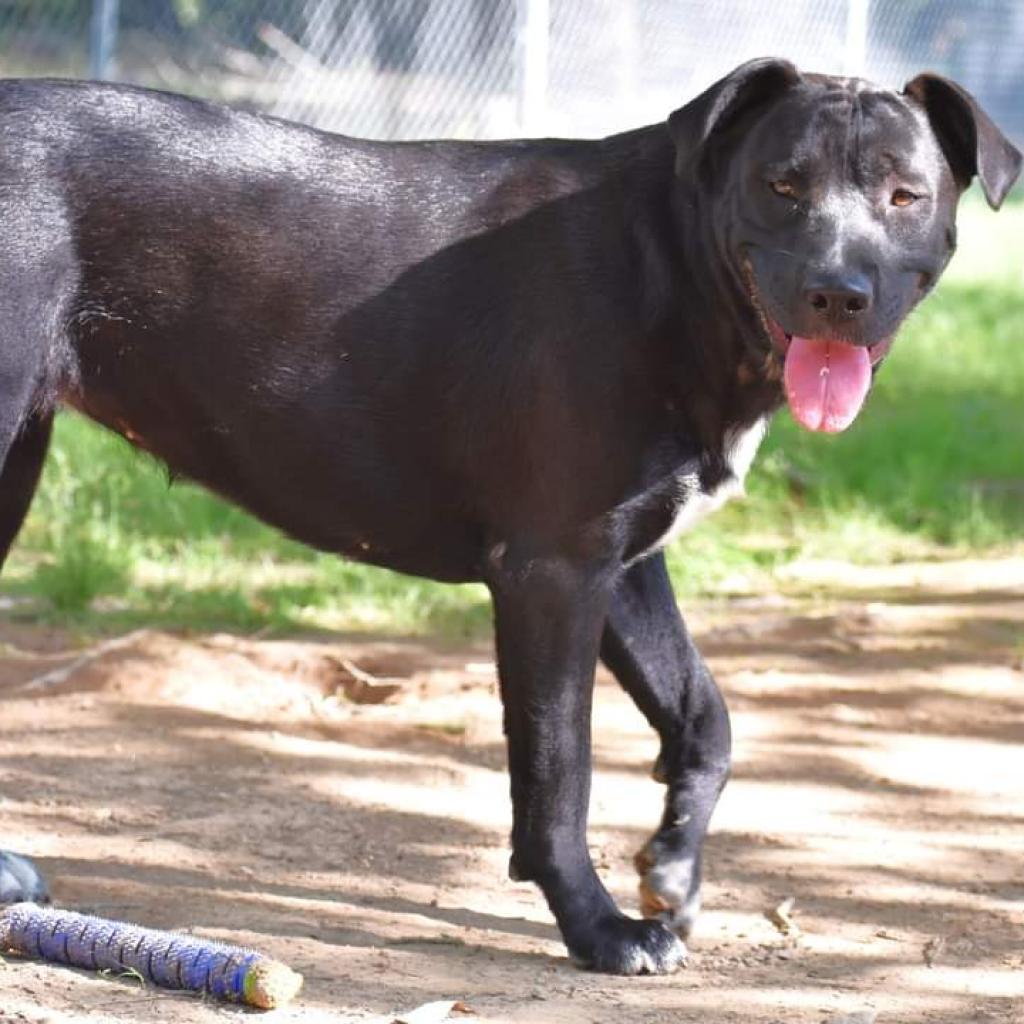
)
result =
(781, 187)
(903, 197)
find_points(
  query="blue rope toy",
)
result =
(164, 958)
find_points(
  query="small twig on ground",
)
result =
(357, 673)
(57, 676)
(361, 687)
(781, 917)
(932, 948)
(21, 654)
(432, 1013)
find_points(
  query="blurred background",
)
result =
(493, 68)
(934, 468)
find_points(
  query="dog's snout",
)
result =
(839, 296)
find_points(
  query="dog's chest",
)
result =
(692, 501)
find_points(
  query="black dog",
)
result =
(525, 363)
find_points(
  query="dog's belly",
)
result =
(693, 503)
(381, 506)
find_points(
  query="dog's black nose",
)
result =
(839, 296)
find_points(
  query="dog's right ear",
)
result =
(717, 109)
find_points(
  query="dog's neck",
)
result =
(719, 365)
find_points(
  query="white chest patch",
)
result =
(694, 503)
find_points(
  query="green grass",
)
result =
(935, 464)
(111, 543)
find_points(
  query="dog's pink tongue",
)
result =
(826, 383)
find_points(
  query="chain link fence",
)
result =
(496, 68)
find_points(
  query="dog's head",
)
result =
(833, 203)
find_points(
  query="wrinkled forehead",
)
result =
(845, 128)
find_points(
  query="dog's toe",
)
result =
(621, 945)
(20, 881)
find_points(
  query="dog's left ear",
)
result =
(722, 106)
(971, 142)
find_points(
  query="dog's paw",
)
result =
(20, 881)
(669, 886)
(621, 945)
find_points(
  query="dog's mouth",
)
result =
(826, 379)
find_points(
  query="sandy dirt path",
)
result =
(226, 785)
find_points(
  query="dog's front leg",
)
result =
(549, 616)
(647, 647)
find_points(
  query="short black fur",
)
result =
(517, 362)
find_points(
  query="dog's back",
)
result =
(307, 323)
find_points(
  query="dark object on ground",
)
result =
(20, 880)
(526, 363)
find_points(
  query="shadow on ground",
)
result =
(226, 784)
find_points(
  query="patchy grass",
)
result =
(935, 464)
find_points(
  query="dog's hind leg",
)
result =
(648, 649)
(38, 280)
(20, 474)
(28, 382)
(24, 439)
(548, 617)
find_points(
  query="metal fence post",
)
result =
(534, 44)
(857, 25)
(102, 38)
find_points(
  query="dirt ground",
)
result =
(229, 786)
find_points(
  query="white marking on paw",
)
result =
(671, 881)
(672, 877)
(645, 962)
